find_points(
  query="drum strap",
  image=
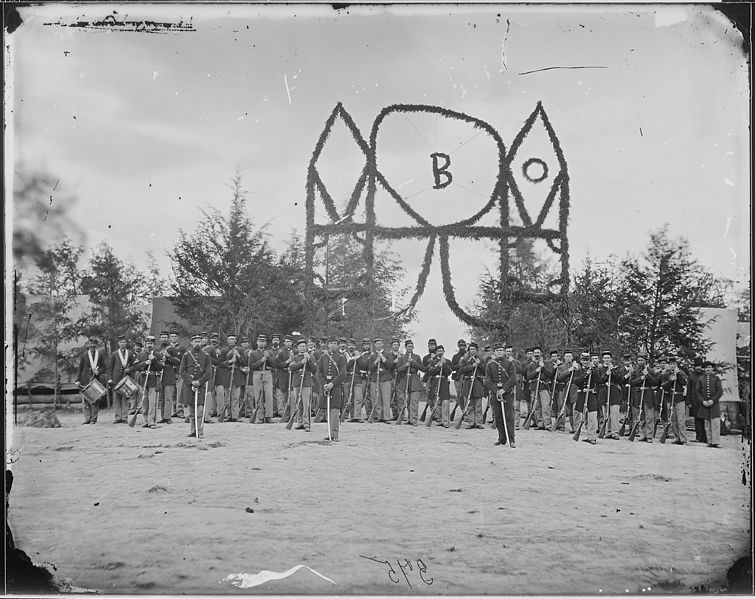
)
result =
(93, 363)
(124, 361)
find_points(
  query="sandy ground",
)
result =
(125, 510)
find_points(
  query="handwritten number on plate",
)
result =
(422, 569)
(406, 563)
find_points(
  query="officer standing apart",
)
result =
(500, 379)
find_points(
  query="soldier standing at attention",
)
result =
(283, 360)
(395, 354)
(643, 382)
(303, 368)
(471, 371)
(275, 346)
(195, 372)
(381, 367)
(121, 365)
(610, 392)
(710, 390)
(439, 371)
(693, 399)
(540, 376)
(407, 390)
(261, 362)
(211, 349)
(168, 379)
(455, 375)
(361, 380)
(178, 351)
(588, 383)
(232, 360)
(674, 383)
(565, 375)
(500, 380)
(91, 366)
(150, 364)
(331, 370)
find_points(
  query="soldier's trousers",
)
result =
(441, 412)
(262, 382)
(542, 408)
(589, 428)
(179, 388)
(335, 422)
(678, 421)
(231, 396)
(149, 406)
(400, 399)
(359, 399)
(218, 407)
(474, 411)
(646, 432)
(281, 397)
(503, 410)
(413, 411)
(166, 402)
(196, 419)
(120, 406)
(713, 430)
(382, 399)
(304, 414)
(614, 416)
(460, 397)
(91, 410)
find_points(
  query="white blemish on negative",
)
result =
(726, 230)
(246, 581)
(288, 91)
(729, 182)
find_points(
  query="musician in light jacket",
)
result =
(91, 366)
(121, 365)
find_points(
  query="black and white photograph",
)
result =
(377, 299)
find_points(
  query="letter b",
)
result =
(441, 171)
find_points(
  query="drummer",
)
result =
(121, 366)
(91, 367)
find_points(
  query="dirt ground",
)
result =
(123, 510)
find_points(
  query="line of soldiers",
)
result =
(300, 381)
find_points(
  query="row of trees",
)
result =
(648, 302)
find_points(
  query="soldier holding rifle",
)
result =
(455, 375)
(150, 364)
(609, 395)
(284, 384)
(262, 361)
(303, 368)
(540, 376)
(471, 371)
(408, 383)
(357, 368)
(643, 383)
(232, 359)
(439, 371)
(177, 351)
(588, 382)
(674, 384)
(567, 396)
(500, 380)
(172, 362)
(381, 367)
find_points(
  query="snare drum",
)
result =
(126, 387)
(93, 391)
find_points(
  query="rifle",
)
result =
(584, 408)
(627, 417)
(562, 411)
(211, 392)
(349, 408)
(487, 407)
(438, 403)
(290, 422)
(227, 406)
(246, 384)
(667, 424)
(531, 413)
(377, 399)
(607, 415)
(469, 399)
(400, 418)
(636, 424)
(660, 412)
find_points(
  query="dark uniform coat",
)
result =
(299, 369)
(675, 388)
(152, 369)
(385, 368)
(439, 378)
(643, 389)
(500, 374)
(84, 373)
(225, 356)
(117, 370)
(410, 364)
(196, 365)
(332, 369)
(614, 383)
(472, 366)
(284, 374)
(709, 387)
(564, 375)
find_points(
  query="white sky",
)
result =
(146, 129)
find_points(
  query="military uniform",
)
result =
(644, 386)
(168, 381)
(331, 369)
(91, 366)
(569, 391)
(587, 382)
(456, 375)
(303, 370)
(438, 372)
(471, 370)
(609, 396)
(232, 359)
(408, 383)
(693, 400)
(121, 365)
(381, 367)
(150, 366)
(673, 384)
(195, 372)
(710, 390)
(284, 381)
(540, 379)
(212, 387)
(359, 366)
(177, 351)
(500, 378)
(262, 361)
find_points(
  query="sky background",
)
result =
(145, 130)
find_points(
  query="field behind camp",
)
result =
(124, 510)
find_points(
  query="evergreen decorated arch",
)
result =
(505, 192)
